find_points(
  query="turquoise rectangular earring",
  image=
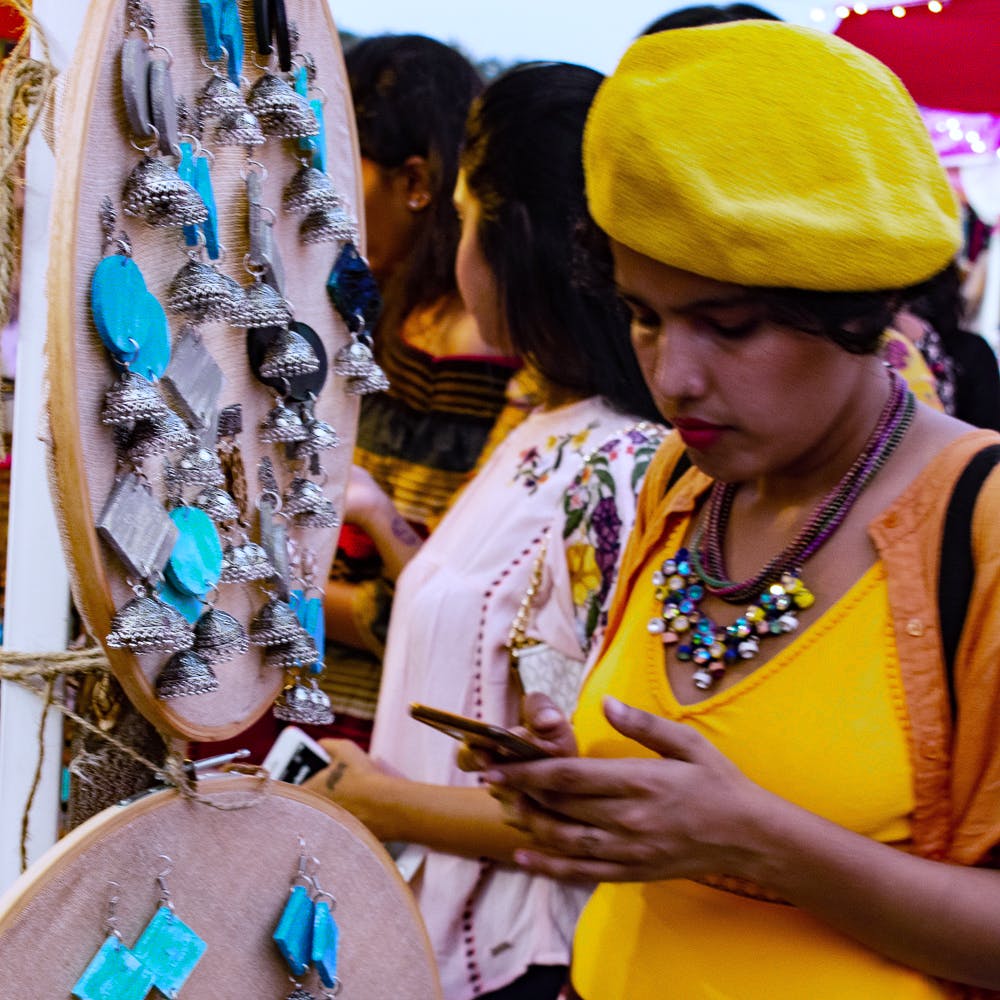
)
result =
(325, 941)
(293, 935)
(168, 947)
(114, 973)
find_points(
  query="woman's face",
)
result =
(749, 398)
(390, 224)
(476, 281)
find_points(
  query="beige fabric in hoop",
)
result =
(94, 157)
(230, 879)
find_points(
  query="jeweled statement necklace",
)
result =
(776, 594)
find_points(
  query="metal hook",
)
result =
(245, 170)
(156, 45)
(111, 921)
(253, 59)
(145, 150)
(161, 881)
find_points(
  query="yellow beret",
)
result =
(762, 153)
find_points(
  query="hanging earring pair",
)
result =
(311, 193)
(221, 100)
(282, 113)
(154, 190)
(307, 934)
(164, 956)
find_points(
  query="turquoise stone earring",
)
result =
(130, 321)
(195, 562)
(168, 947)
(307, 935)
(114, 973)
(293, 935)
(313, 144)
(194, 167)
(325, 940)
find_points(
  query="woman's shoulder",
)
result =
(922, 482)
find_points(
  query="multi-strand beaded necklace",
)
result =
(776, 594)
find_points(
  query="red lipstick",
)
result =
(698, 434)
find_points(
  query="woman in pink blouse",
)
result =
(533, 272)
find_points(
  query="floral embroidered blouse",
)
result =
(571, 473)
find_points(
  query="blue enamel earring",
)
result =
(195, 168)
(114, 973)
(193, 569)
(293, 935)
(130, 321)
(302, 656)
(304, 83)
(223, 34)
(310, 190)
(354, 294)
(325, 941)
(168, 947)
(307, 935)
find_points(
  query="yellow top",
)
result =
(682, 939)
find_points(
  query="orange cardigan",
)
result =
(956, 768)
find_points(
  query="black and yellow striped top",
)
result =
(422, 438)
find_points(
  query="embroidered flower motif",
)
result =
(584, 573)
(592, 519)
(535, 466)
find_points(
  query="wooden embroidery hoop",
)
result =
(95, 156)
(232, 868)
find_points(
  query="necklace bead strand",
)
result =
(776, 594)
(707, 559)
(708, 646)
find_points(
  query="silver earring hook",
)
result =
(161, 881)
(111, 920)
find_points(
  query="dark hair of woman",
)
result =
(523, 165)
(709, 13)
(854, 321)
(411, 95)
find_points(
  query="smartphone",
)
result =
(481, 735)
(295, 756)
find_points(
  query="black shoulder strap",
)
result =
(683, 464)
(958, 568)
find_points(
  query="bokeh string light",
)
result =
(821, 14)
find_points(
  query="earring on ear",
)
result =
(419, 201)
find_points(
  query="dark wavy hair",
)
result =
(411, 96)
(854, 321)
(709, 13)
(522, 163)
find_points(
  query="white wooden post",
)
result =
(36, 614)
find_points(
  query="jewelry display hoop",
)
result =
(231, 869)
(94, 157)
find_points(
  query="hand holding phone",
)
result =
(295, 757)
(500, 742)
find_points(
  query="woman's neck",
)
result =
(445, 329)
(823, 466)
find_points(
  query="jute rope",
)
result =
(25, 85)
(28, 669)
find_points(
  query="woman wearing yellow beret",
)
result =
(784, 769)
